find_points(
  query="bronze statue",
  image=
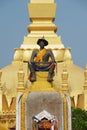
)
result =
(42, 60)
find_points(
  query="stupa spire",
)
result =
(42, 13)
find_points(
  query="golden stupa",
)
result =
(68, 76)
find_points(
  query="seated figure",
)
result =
(42, 60)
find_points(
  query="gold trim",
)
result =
(24, 97)
(65, 114)
(42, 28)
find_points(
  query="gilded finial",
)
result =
(64, 79)
(86, 67)
(0, 79)
(85, 78)
(0, 73)
(64, 67)
(21, 66)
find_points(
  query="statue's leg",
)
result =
(32, 73)
(51, 73)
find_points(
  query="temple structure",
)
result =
(69, 80)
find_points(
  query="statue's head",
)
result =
(42, 41)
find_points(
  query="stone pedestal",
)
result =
(40, 98)
(50, 102)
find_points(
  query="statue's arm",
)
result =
(52, 56)
(34, 53)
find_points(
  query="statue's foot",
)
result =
(50, 79)
(32, 79)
